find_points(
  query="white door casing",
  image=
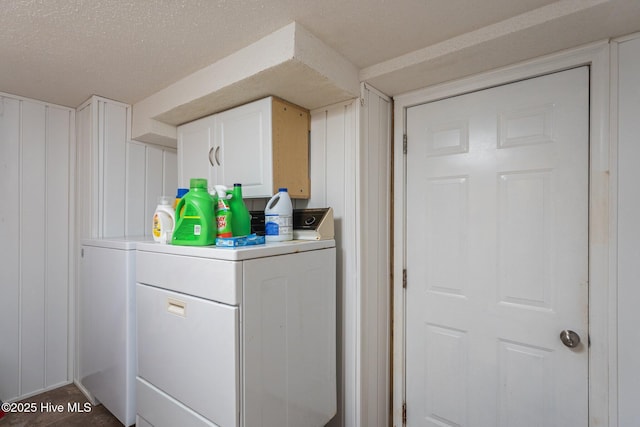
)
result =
(497, 186)
(600, 312)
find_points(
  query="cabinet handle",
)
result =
(211, 158)
(177, 307)
(218, 155)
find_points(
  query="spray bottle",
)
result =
(223, 212)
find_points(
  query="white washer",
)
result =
(107, 325)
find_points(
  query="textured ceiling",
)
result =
(63, 51)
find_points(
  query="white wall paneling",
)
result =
(136, 189)
(625, 123)
(151, 173)
(36, 166)
(119, 181)
(350, 155)
(333, 172)
(101, 152)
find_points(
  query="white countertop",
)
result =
(240, 253)
(122, 243)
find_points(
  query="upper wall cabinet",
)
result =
(262, 145)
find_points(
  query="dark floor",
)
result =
(72, 401)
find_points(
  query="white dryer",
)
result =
(240, 337)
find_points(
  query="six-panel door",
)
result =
(497, 255)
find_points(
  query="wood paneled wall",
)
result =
(118, 181)
(151, 172)
(350, 149)
(36, 141)
(333, 171)
(61, 183)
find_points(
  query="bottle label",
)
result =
(278, 225)
(157, 226)
(271, 227)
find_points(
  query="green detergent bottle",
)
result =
(241, 219)
(195, 224)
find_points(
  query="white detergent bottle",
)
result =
(163, 220)
(278, 217)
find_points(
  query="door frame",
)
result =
(602, 232)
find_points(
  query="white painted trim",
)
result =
(373, 254)
(73, 264)
(353, 299)
(35, 101)
(613, 237)
(40, 391)
(343, 104)
(602, 309)
(623, 39)
(372, 89)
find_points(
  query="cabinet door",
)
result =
(189, 348)
(243, 142)
(196, 151)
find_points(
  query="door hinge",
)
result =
(404, 278)
(404, 413)
(404, 143)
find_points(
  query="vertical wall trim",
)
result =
(625, 109)
(373, 274)
(45, 241)
(614, 80)
(20, 224)
(73, 283)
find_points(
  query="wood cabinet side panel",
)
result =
(290, 145)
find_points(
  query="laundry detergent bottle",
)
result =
(278, 217)
(195, 216)
(241, 218)
(163, 220)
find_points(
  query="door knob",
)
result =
(569, 338)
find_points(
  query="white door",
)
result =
(497, 246)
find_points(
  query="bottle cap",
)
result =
(198, 183)
(165, 200)
(181, 192)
